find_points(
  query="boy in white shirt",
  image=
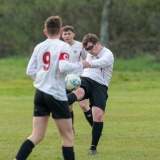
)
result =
(78, 54)
(94, 84)
(48, 66)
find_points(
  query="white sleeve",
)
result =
(68, 67)
(32, 66)
(65, 65)
(106, 60)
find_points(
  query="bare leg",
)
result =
(72, 116)
(84, 105)
(65, 129)
(39, 129)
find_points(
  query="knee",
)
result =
(79, 93)
(68, 140)
(98, 117)
(84, 107)
(36, 138)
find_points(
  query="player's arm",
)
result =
(68, 67)
(106, 60)
(32, 66)
(65, 65)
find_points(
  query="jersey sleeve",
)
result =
(68, 67)
(65, 65)
(32, 66)
(106, 60)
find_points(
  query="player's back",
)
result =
(48, 76)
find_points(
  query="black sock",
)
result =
(25, 150)
(89, 117)
(72, 116)
(71, 98)
(68, 153)
(96, 133)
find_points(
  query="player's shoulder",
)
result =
(78, 42)
(77, 45)
(39, 44)
(63, 43)
(107, 52)
(65, 47)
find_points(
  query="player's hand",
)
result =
(85, 64)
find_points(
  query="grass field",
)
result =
(132, 119)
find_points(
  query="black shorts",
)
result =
(44, 104)
(95, 92)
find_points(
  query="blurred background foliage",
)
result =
(134, 26)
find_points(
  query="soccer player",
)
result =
(78, 54)
(94, 84)
(48, 66)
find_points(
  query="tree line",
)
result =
(133, 27)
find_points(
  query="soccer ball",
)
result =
(72, 82)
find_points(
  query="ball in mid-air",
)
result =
(72, 82)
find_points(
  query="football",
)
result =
(72, 82)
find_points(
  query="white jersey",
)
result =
(78, 54)
(48, 66)
(101, 67)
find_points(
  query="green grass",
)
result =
(131, 123)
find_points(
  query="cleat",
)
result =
(92, 152)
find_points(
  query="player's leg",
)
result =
(72, 116)
(87, 111)
(97, 128)
(80, 93)
(39, 128)
(76, 95)
(65, 129)
(40, 121)
(62, 117)
(98, 102)
(72, 113)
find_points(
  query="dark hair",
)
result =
(90, 37)
(53, 25)
(68, 28)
